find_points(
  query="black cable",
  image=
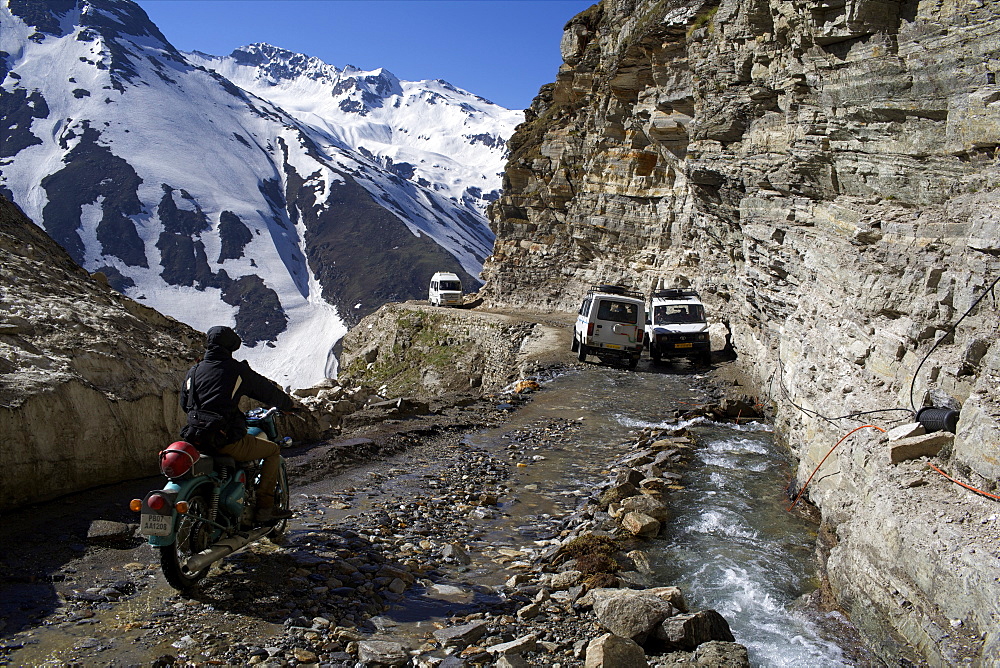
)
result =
(951, 329)
(781, 383)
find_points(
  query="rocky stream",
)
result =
(598, 518)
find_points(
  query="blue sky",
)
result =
(503, 50)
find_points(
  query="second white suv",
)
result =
(610, 325)
(677, 326)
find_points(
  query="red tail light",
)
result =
(156, 502)
(178, 459)
(590, 329)
(638, 335)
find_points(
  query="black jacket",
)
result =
(218, 382)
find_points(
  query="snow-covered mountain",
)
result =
(213, 203)
(428, 132)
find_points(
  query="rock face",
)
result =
(826, 178)
(88, 378)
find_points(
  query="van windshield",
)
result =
(618, 311)
(451, 285)
(678, 313)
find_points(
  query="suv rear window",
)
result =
(618, 311)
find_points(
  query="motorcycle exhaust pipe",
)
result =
(223, 548)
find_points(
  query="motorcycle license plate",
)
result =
(613, 346)
(152, 524)
(683, 345)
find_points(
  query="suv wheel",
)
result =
(576, 345)
(581, 353)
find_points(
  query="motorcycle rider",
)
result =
(216, 384)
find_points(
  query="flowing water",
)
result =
(731, 545)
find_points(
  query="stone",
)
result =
(629, 613)
(304, 655)
(528, 643)
(611, 651)
(672, 595)
(616, 494)
(905, 431)
(461, 636)
(720, 654)
(512, 661)
(529, 611)
(457, 553)
(688, 630)
(914, 447)
(648, 506)
(566, 579)
(640, 524)
(382, 652)
(104, 532)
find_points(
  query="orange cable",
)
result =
(802, 491)
(959, 482)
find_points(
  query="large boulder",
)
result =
(629, 613)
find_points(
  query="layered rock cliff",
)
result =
(88, 377)
(826, 175)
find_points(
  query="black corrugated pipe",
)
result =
(938, 419)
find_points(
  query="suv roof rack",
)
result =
(615, 290)
(673, 293)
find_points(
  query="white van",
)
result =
(610, 325)
(445, 289)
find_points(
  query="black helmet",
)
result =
(224, 337)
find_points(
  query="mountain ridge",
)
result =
(210, 202)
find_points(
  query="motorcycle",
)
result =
(206, 509)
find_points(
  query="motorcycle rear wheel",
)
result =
(193, 536)
(282, 500)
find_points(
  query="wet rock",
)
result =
(630, 614)
(461, 636)
(688, 630)
(612, 651)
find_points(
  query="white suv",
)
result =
(610, 325)
(677, 326)
(445, 289)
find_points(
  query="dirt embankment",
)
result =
(435, 354)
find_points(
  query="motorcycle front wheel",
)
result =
(193, 536)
